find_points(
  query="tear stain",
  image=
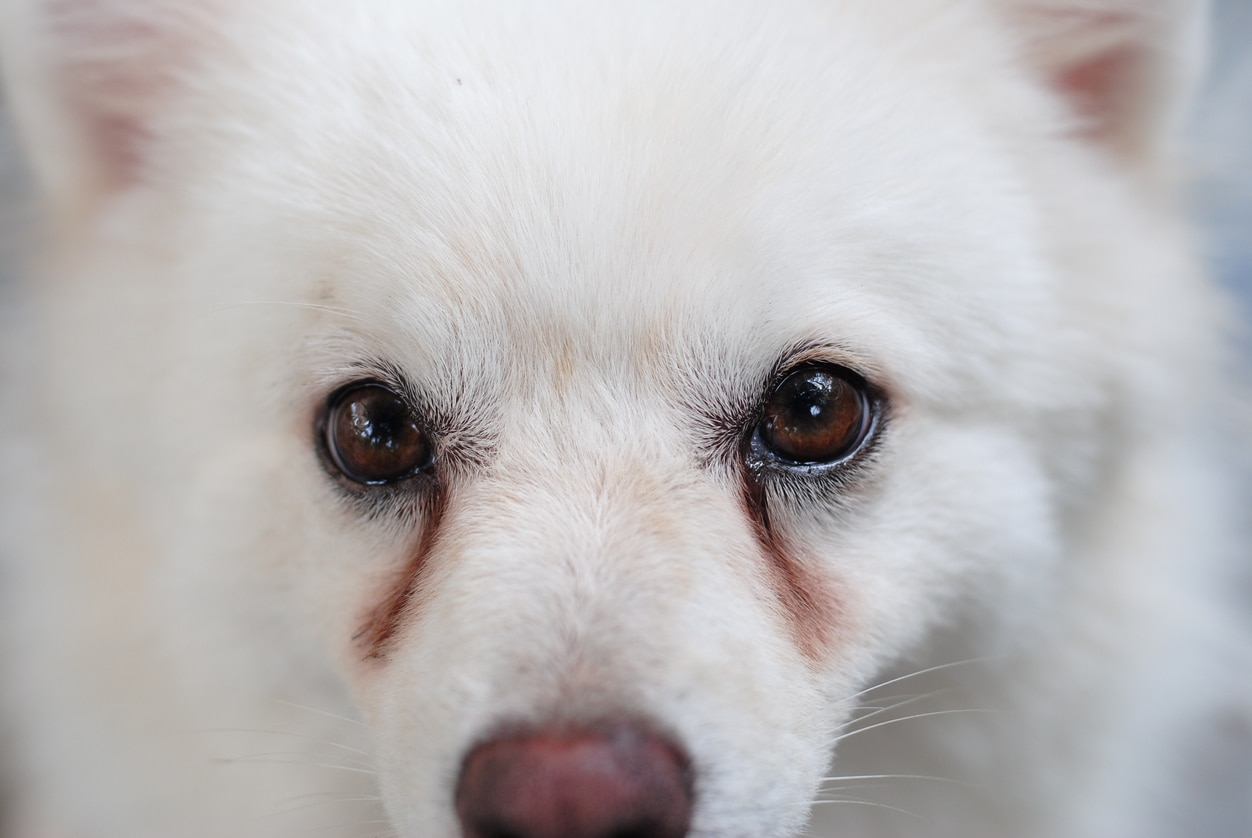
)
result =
(378, 631)
(806, 599)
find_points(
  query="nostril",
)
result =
(614, 782)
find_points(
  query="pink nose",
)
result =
(619, 782)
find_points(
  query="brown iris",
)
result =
(372, 435)
(816, 415)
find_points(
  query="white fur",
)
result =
(572, 225)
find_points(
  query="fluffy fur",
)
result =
(583, 236)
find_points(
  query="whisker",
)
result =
(833, 801)
(913, 717)
(305, 737)
(904, 701)
(838, 779)
(353, 825)
(337, 799)
(269, 759)
(918, 673)
(295, 797)
(306, 708)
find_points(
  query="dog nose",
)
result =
(617, 782)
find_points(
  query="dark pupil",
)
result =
(373, 436)
(814, 417)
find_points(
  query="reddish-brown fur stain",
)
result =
(380, 627)
(805, 597)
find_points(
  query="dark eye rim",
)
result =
(761, 459)
(331, 460)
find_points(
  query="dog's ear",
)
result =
(86, 79)
(1126, 68)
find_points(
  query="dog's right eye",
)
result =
(373, 437)
(818, 415)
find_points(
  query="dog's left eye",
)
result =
(373, 437)
(817, 415)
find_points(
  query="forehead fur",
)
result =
(446, 176)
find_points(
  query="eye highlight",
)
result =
(817, 415)
(373, 436)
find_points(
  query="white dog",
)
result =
(580, 419)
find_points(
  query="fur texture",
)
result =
(583, 239)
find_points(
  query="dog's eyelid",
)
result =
(826, 354)
(434, 416)
(459, 426)
(727, 421)
(388, 375)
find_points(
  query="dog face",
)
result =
(579, 386)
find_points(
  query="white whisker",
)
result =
(305, 737)
(904, 701)
(833, 801)
(306, 708)
(838, 779)
(332, 798)
(271, 759)
(913, 717)
(309, 795)
(918, 673)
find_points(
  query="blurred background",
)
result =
(1222, 157)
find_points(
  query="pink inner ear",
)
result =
(1111, 61)
(117, 144)
(1102, 91)
(115, 64)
